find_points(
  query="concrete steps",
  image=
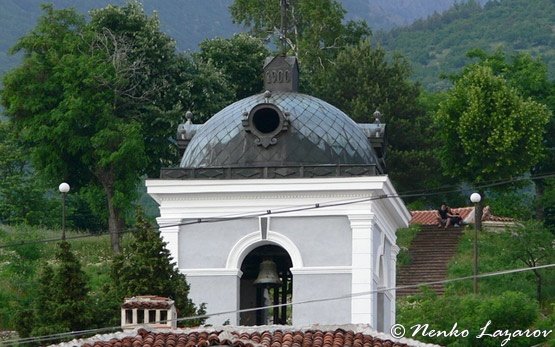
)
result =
(431, 250)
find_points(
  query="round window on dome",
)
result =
(266, 120)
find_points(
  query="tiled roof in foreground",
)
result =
(150, 302)
(263, 336)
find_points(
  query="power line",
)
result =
(302, 302)
(485, 184)
(296, 208)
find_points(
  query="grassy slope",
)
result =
(493, 257)
(20, 265)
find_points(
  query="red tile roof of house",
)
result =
(429, 217)
(251, 337)
(149, 302)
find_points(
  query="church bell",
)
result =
(267, 276)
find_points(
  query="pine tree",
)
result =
(62, 298)
(146, 268)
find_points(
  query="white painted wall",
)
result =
(334, 249)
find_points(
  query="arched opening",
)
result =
(259, 295)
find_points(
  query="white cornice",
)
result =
(321, 270)
(211, 272)
(257, 196)
(161, 186)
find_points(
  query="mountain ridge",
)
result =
(438, 45)
(191, 21)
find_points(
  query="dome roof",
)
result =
(278, 129)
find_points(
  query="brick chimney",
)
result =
(148, 310)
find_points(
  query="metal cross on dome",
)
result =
(283, 30)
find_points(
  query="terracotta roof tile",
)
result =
(149, 302)
(429, 217)
(276, 338)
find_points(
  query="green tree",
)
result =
(206, 89)
(61, 304)
(97, 101)
(240, 58)
(534, 245)
(146, 268)
(529, 76)
(508, 311)
(315, 29)
(361, 80)
(22, 194)
(487, 130)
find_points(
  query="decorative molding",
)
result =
(264, 111)
(211, 272)
(321, 270)
(270, 172)
(363, 184)
(380, 252)
(394, 251)
(264, 225)
(253, 240)
(255, 196)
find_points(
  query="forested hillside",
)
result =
(439, 44)
(191, 21)
(389, 14)
(188, 22)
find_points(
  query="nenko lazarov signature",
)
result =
(485, 331)
(510, 334)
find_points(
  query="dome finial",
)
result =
(189, 117)
(377, 117)
(267, 95)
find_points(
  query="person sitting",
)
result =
(455, 218)
(447, 217)
(443, 217)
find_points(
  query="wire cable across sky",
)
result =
(282, 210)
(75, 334)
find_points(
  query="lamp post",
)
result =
(63, 188)
(476, 198)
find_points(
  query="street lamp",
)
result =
(476, 198)
(63, 188)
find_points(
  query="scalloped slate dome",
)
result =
(317, 133)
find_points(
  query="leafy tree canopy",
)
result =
(22, 194)
(97, 101)
(314, 28)
(534, 245)
(240, 58)
(489, 131)
(361, 80)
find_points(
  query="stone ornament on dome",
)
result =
(265, 121)
(185, 132)
(377, 117)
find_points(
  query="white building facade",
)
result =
(286, 177)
